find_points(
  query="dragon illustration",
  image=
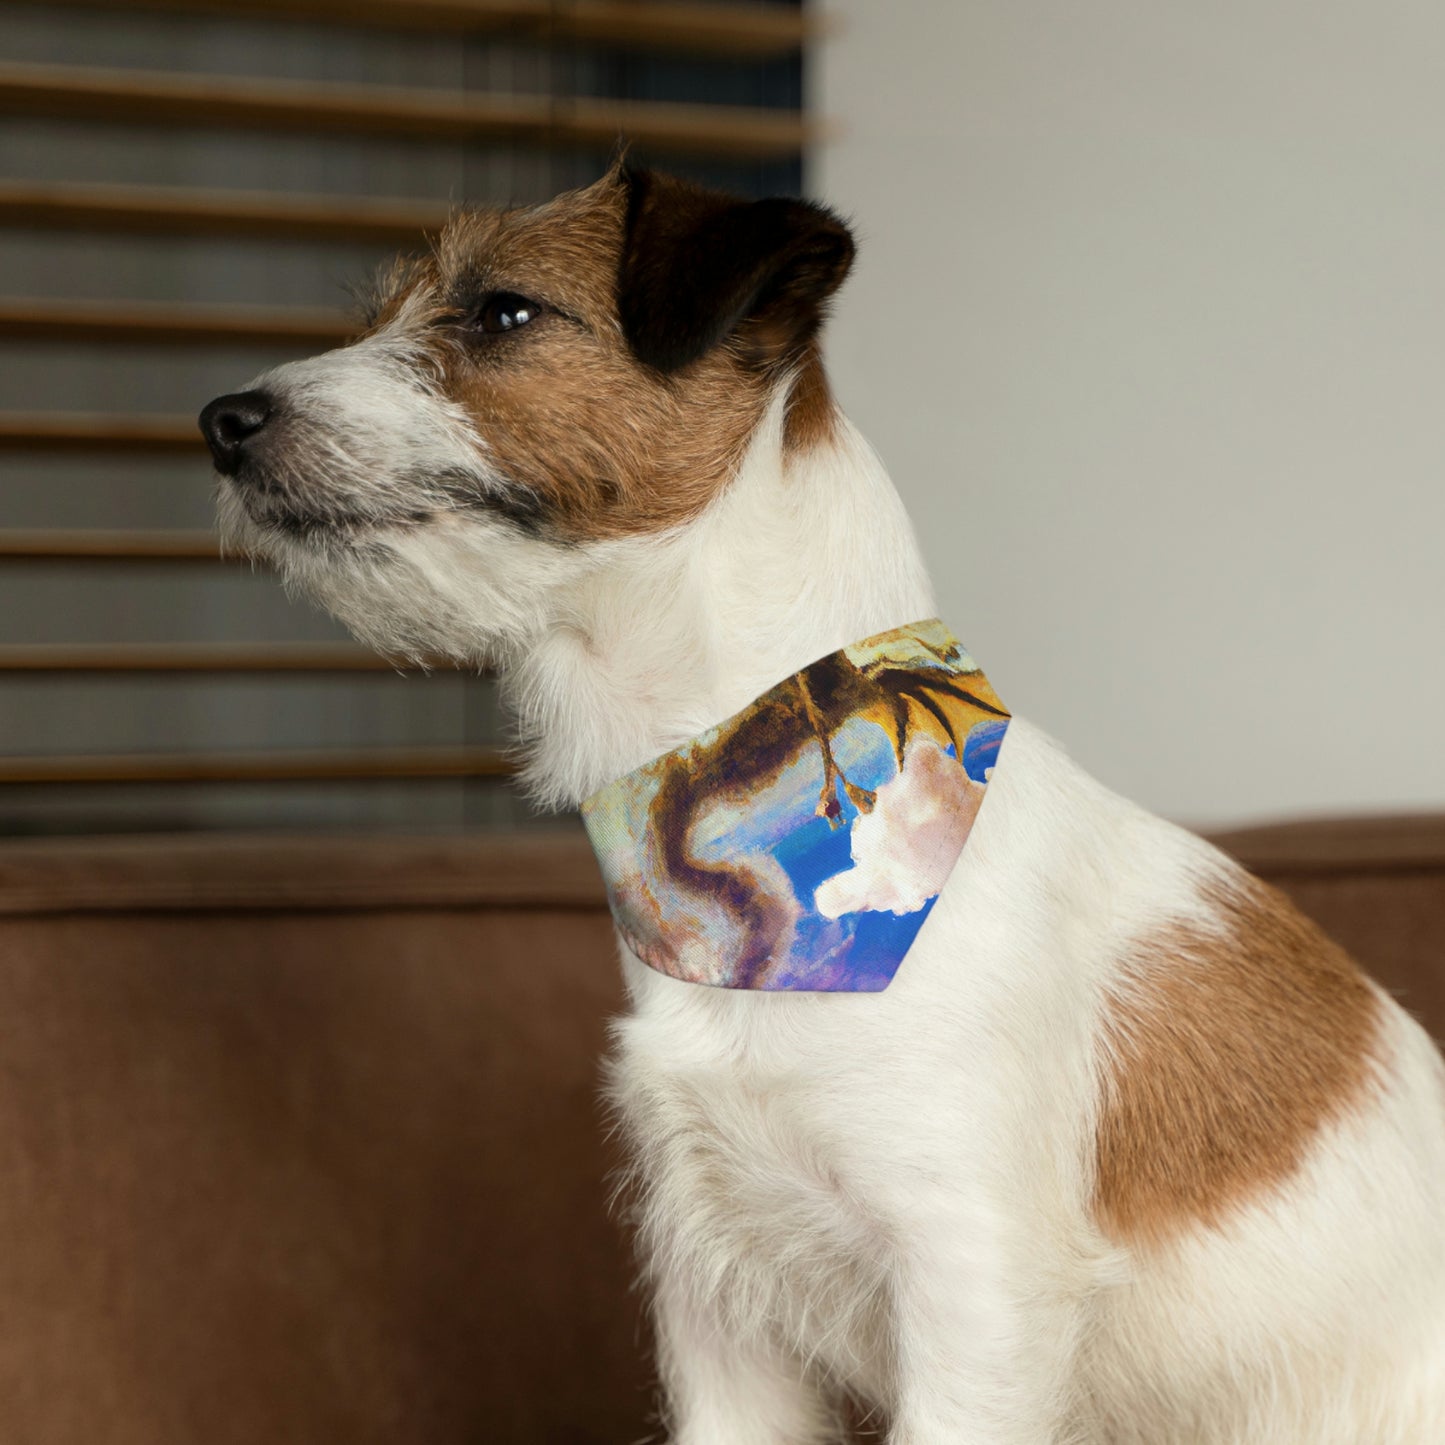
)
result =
(751, 751)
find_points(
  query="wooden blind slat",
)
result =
(705, 29)
(94, 431)
(175, 211)
(160, 98)
(109, 546)
(257, 767)
(168, 323)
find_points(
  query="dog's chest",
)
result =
(750, 1184)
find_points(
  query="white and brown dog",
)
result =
(1127, 1152)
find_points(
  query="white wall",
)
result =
(1149, 324)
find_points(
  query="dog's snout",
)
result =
(229, 422)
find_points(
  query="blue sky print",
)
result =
(801, 844)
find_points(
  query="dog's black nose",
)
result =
(229, 422)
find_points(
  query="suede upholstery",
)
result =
(300, 1140)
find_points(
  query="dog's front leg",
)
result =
(985, 1352)
(721, 1388)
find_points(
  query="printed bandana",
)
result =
(801, 844)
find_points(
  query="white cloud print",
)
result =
(904, 850)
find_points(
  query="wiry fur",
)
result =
(895, 1196)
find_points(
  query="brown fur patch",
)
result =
(1228, 1051)
(600, 446)
(700, 266)
(595, 441)
(812, 413)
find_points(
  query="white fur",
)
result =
(889, 1194)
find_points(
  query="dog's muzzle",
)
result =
(231, 424)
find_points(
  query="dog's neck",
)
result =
(664, 637)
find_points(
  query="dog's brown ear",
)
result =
(699, 267)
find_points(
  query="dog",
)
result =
(1127, 1153)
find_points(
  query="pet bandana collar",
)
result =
(800, 844)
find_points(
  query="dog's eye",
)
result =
(505, 311)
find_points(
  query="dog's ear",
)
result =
(699, 266)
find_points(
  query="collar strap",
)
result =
(801, 844)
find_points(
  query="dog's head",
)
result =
(546, 382)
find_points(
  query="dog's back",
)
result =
(1123, 1108)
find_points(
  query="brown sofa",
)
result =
(299, 1140)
